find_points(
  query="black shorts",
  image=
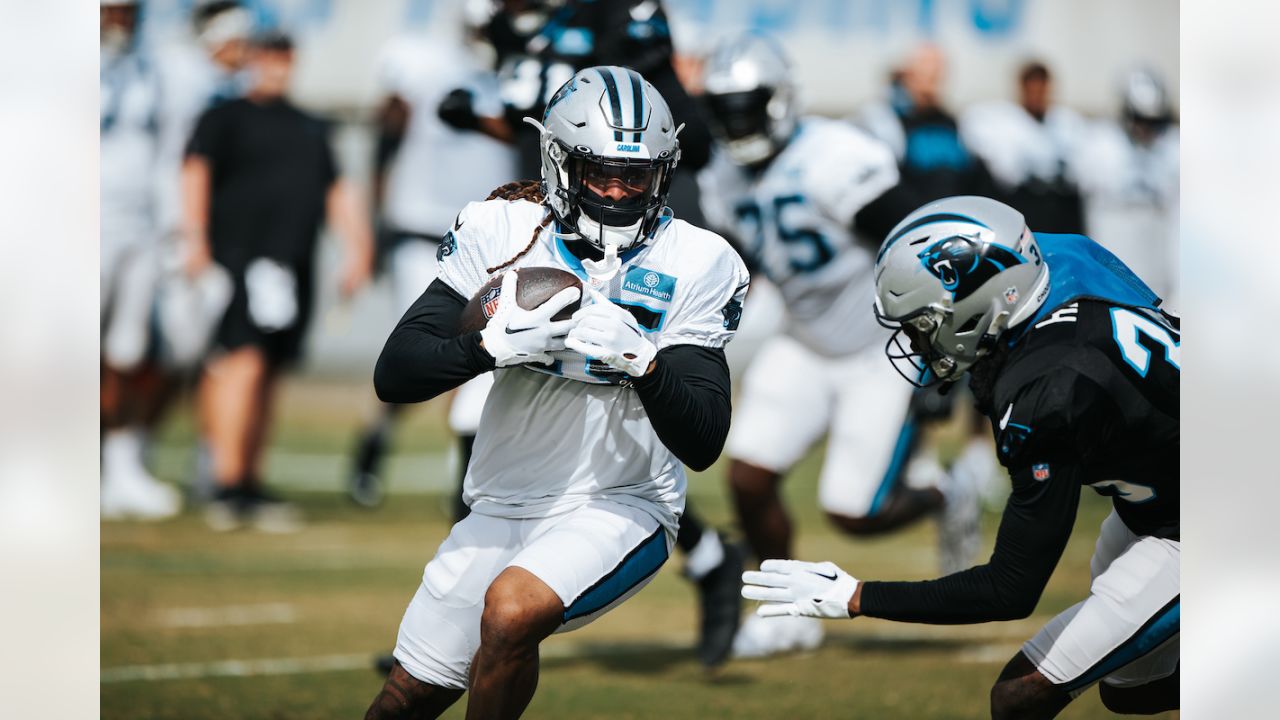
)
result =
(238, 329)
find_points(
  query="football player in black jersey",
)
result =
(1076, 365)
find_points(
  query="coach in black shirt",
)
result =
(258, 179)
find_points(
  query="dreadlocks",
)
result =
(532, 191)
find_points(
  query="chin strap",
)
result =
(604, 269)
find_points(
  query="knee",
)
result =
(509, 623)
(749, 481)
(1019, 699)
(1005, 704)
(855, 525)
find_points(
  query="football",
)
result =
(534, 286)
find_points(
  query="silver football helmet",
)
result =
(952, 277)
(1145, 97)
(750, 98)
(608, 151)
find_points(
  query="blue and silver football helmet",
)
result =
(608, 127)
(951, 278)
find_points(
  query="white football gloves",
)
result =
(611, 335)
(515, 335)
(793, 587)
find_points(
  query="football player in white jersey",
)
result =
(150, 102)
(799, 195)
(577, 483)
(1030, 147)
(131, 384)
(426, 170)
(196, 76)
(1129, 176)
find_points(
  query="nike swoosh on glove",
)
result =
(611, 335)
(515, 335)
(793, 587)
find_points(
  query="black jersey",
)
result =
(1086, 394)
(1096, 385)
(580, 34)
(271, 168)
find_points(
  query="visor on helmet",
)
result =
(619, 186)
(617, 192)
(740, 115)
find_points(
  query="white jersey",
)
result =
(1131, 201)
(1017, 148)
(553, 438)
(794, 221)
(438, 168)
(129, 125)
(190, 84)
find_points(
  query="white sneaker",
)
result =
(761, 637)
(136, 496)
(959, 530)
(128, 490)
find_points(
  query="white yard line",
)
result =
(237, 668)
(418, 473)
(987, 653)
(228, 615)
(341, 663)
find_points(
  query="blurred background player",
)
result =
(1129, 173)
(258, 179)
(802, 198)
(202, 68)
(933, 161)
(1072, 360)
(1030, 147)
(133, 385)
(197, 76)
(425, 169)
(539, 45)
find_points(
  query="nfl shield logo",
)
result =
(1040, 472)
(1011, 295)
(489, 303)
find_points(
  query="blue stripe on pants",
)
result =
(643, 561)
(1160, 628)
(901, 451)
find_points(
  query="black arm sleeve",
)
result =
(687, 400)
(878, 217)
(422, 358)
(1033, 533)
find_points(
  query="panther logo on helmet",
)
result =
(964, 262)
(565, 90)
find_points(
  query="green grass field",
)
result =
(246, 625)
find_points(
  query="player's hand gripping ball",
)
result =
(533, 326)
(611, 335)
